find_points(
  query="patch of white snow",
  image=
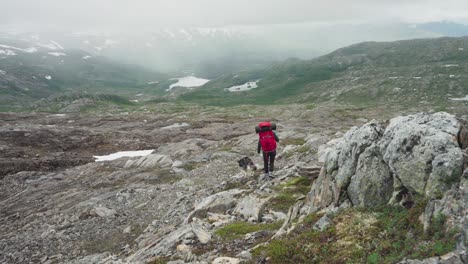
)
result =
(2, 72)
(57, 44)
(28, 50)
(154, 82)
(244, 87)
(451, 65)
(8, 52)
(120, 154)
(176, 125)
(86, 57)
(460, 99)
(188, 81)
(451, 76)
(57, 54)
(48, 77)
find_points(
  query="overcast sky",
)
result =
(147, 14)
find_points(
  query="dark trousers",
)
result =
(269, 159)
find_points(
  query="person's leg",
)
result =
(265, 161)
(272, 156)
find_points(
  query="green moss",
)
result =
(159, 260)
(303, 149)
(298, 182)
(282, 202)
(384, 235)
(293, 141)
(190, 166)
(239, 229)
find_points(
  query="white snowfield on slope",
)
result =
(120, 154)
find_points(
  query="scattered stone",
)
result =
(202, 235)
(322, 224)
(217, 203)
(251, 207)
(226, 260)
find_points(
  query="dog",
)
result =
(248, 166)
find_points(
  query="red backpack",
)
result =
(267, 138)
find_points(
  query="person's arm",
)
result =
(258, 147)
(276, 137)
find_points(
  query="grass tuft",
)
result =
(239, 229)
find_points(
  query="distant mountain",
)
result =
(29, 72)
(445, 28)
(429, 72)
(212, 52)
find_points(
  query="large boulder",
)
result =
(423, 151)
(420, 154)
(216, 203)
(372, 183)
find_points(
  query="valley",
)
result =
(372, 163)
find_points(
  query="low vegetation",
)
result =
(239, 229)
(385, 235)
(289, 193)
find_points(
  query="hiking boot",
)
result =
(270, 174)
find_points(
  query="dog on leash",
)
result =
(247, 165)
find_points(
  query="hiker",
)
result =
(267, 142)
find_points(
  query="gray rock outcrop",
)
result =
(420, 154)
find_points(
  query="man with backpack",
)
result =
(267, 142)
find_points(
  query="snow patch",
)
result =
(168, 32)
(244, 87)
(28, 50)
(417, 78)
(58, 115)
(2, 72)
(57, 45)
(154, 82)
(86, 57)
(393, 77)
(176, 125)
(460, 99)
(48, 77)
(188, 81)
(134, 101)
(451, 76)
(186, 34)
(8, 52)
(451, 65)
(57, 54)
(120, 154)
(461, 49)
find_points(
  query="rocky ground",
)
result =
(59, 206)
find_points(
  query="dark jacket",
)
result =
(260, 146)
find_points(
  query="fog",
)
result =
(212, 37)
(148, 14)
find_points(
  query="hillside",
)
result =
(30, 72)
(426, 72)
(345, 189)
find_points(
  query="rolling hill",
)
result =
(408, 72)
(30, 72)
